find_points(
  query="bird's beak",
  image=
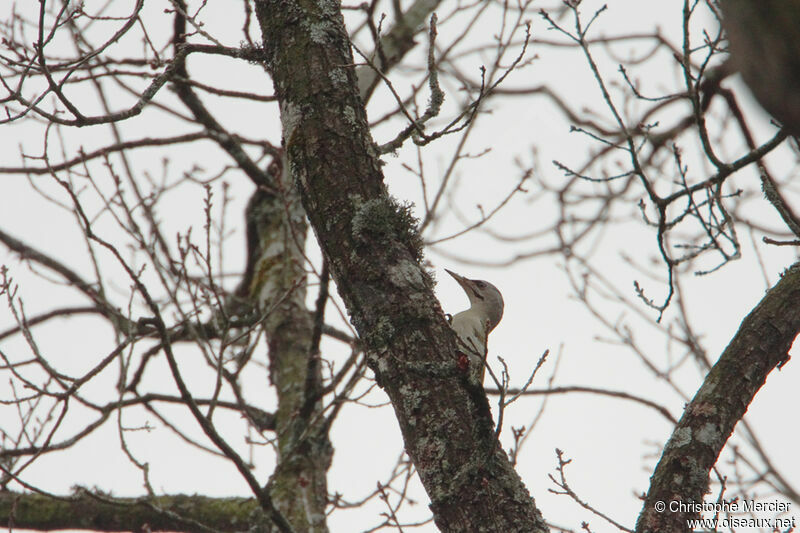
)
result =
(464, 282)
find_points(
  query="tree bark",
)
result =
(298, 486)
(762, 343)
(82, 511)
(374, 253)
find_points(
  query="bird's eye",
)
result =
(480, 284)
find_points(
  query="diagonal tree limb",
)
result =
(761, 344)
(187, 95)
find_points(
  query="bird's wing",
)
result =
(471, 334)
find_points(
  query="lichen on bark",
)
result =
(373, 251)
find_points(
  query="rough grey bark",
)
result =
(81, 511)
(374, 253)
(761, 343)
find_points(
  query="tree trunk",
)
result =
(374, 253)
(298, 486)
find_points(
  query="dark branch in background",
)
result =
(699, 94)
(590, 390)
(208, 428)
(313, 387)
(73, 278)
(119, 147)
(264, 419)
(62, 312)
(184, 90)
(41, 56)
(145, 98)
(630, 146)
(564, 488)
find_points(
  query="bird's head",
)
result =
(482, 296)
